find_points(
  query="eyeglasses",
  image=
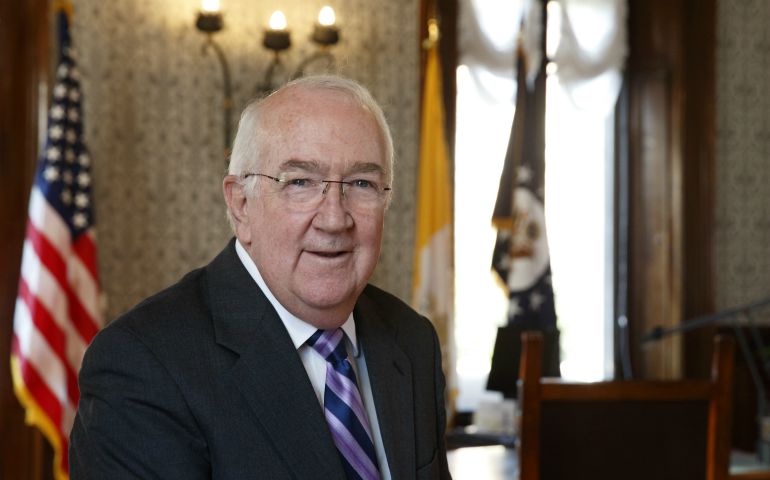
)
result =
(303, 191)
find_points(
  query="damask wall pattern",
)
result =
(742, 236)
(152, 101)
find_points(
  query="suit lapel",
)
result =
(269, 374)
(390, 375)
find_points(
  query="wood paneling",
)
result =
(24, 45)
(654, 182)
(670, 119)
(699, 186)
(655, 236)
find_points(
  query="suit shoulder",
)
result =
(179, 305)
(395, 310)
(387, 300)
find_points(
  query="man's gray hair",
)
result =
(251, 137)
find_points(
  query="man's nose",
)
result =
(332, 213)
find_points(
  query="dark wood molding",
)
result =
(654, 234)
(671, 177)
(24, 61)
(655, 182)
(700, 182)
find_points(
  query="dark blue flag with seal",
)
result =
(521, 258)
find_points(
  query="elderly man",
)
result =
(276, 360)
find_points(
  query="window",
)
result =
(578, 198)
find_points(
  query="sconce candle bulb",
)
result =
(210, 6)
(326, 16)
(277, 37)
(325, 32)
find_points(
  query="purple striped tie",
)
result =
(344, 409)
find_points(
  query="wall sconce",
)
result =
(276, 38)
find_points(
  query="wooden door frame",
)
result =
(24, 61)
(671, 87)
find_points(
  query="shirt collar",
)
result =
(299, 330)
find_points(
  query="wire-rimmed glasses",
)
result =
(304, 191)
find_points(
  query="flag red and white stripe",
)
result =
(57, 308)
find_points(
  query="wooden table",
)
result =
(494, 462)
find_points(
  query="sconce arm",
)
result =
(227, 104)
(320, 55)
(268, 80)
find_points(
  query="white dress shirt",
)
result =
(315, 365)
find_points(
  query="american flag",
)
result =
(57, 308)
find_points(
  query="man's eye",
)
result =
(363, 184)
(299, 182)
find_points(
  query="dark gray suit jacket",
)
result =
(202, 381)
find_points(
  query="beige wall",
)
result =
(154, 125)
(742, 237)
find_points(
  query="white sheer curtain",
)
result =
(588, 47)
(591, 50)
(588, 43)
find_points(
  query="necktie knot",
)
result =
(330, 344)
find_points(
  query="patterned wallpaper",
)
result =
(742, 237)
(154, 125)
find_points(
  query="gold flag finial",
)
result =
(433, 34)
(65, 6)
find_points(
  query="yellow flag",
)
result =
(433, 272)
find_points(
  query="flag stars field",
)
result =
(51, 173)
(53, 154)
(79, 219)
(81, 200)
(536, 300)
(57, 112)
(84, 179)
(55, 132)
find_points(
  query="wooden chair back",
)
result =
(624, 429)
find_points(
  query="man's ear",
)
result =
(237, 203)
